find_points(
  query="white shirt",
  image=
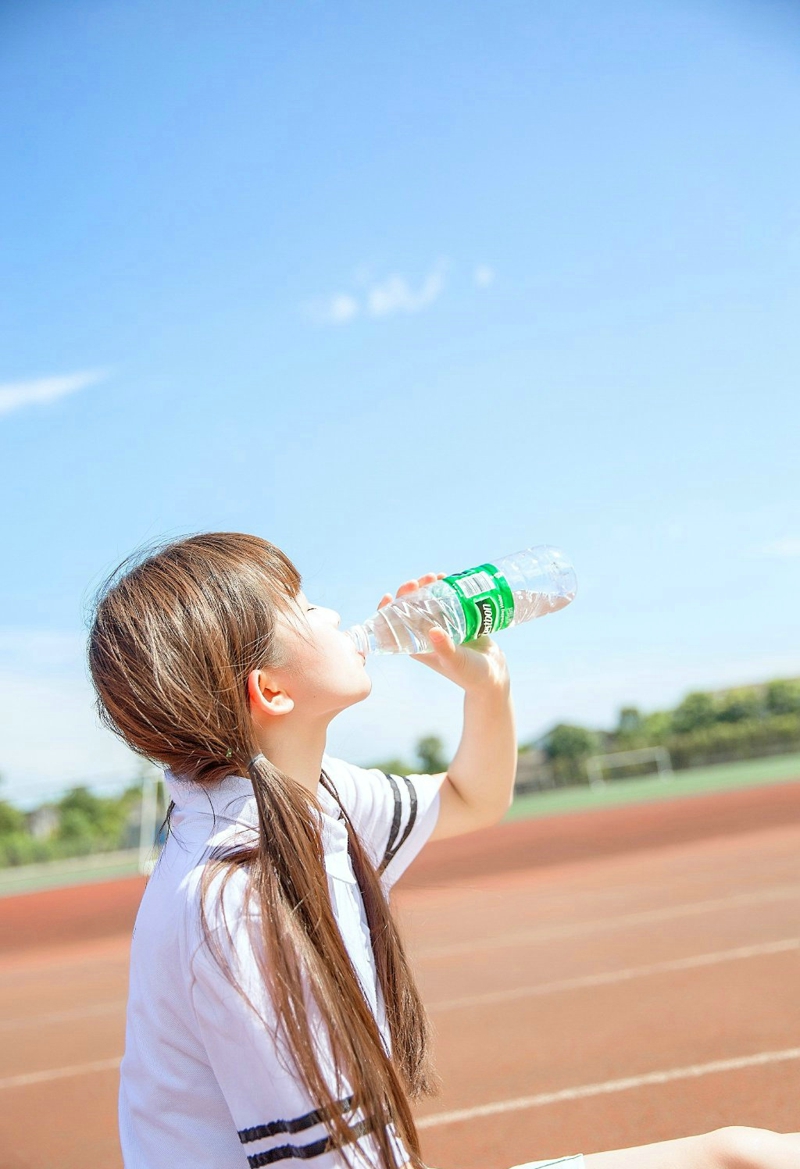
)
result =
(203, 1082)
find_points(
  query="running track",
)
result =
(594, 980)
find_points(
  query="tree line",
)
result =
(83, 822)
(80, 823)
(706, 727)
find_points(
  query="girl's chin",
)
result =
(366, 691)
(358, 695)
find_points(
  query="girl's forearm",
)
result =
(485, 765)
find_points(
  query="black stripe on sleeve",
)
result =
(261, 1131)
(306, 1152)
(396, 816)
(391, 852)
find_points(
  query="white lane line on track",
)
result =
(496, 996)
(609, 1086)
(611, 976)
(600, 925)
(476, 1000)
(440, 1118)
(63, 1016)
(75, 1069)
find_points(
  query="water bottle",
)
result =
(468, 604)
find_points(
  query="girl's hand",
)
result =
(477, 665)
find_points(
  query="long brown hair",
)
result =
(173, 639)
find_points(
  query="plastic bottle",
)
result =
(481, 600)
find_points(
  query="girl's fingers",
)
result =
(410, 586)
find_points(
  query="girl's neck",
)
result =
(299, 756)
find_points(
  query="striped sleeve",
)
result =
(272, 1146)
(276, 1121)
(394, 815)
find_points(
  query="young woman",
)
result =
(272, 1014)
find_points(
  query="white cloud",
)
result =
(343, 308)
(380, 299)
(16, 395)
(394, 295)
(483, 276)
(784, 549)
(334, 310)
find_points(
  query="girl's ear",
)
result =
(264, 699)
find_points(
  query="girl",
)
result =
(272, 1015)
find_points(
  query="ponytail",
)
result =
(172, 644)
(300, 946)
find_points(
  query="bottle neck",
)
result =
(358, 635)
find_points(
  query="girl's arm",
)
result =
(735, 1147)
(479, 784)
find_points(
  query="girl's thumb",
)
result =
(439, 636)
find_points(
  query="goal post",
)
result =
(151, 805)
(596, 766)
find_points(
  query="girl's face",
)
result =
(323, 672)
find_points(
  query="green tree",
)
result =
(783, 696)
(566, 741)
(656, 727)
(11, 819)
(739, 705)
(629, 721)
(696, 711)
(89, 821)
(392, 766)
(430, 753)
(567, 747)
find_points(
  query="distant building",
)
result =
(43, 822)
(533, 771)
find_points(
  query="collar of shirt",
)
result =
(231, 802)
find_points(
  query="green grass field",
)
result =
(697, 781)
(749, 773)
(79, 870)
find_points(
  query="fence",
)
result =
(93, 822)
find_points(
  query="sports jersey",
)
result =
(205, 1082)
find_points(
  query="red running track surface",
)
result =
(595, 980)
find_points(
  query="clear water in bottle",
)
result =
(482, 600)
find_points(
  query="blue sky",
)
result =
(404, 287)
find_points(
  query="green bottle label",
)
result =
(486, 598)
